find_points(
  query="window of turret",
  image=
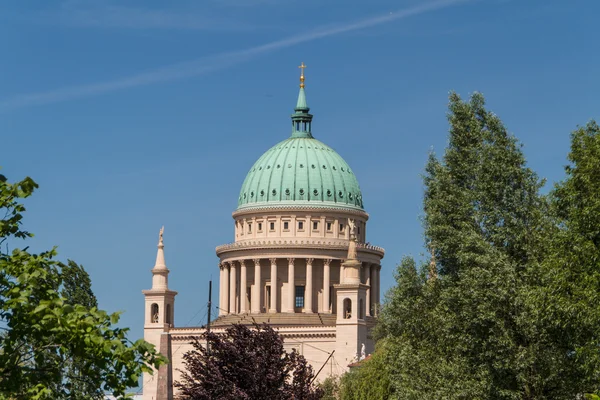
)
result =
(329, 226)
(260, 226)
(249, 227)
(341, 227)
(154, 313)
(315, 225)
(272, 226)
(300, 225)
(286, 226)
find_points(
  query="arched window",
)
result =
(168, 314)
(154, 313)
(347, 308)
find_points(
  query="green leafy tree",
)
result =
(569, 289)
(44, 333)
(330, 388)
(466, 331)
(370, 380)
(77, 285)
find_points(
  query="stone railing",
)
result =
(303, 242)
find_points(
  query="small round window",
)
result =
(274, 192)
(278, 166)
(313, 166)
(324, 167)
(340, 194)
(287, 192)
(301, 192)
(328, 193)
(301, 165)
(316, 192)
(262, 192)
(350, 196)
(251, 194)
(334, 168)
(342, 169)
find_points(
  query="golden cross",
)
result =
(302, 66)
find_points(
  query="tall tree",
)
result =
(370, 380)
(246, 363)
(465, 332)
(569, 278)
(43, 333)
(77, 285)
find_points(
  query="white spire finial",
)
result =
(160, 254)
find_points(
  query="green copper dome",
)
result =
(301, 170)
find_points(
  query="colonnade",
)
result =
(235, 296)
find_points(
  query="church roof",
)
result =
(300, 170)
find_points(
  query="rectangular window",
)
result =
(358, 230)
(341, 227)
(286, 225)
(272, 226)
(260, 226)
(249, 227)
(300, 225)
(315, 225)
(329, 227)
(299, 296)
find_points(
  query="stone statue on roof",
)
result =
(352, 226)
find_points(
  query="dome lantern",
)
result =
(301, 119)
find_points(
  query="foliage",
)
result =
(370, 380)
(245, 363)
(44, 333)
(569, 290)
(510, 309)
(331, 388)
(77, 285)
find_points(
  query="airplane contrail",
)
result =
(210, 63)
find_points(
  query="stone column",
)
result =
(232, 287)
(376, 287)
(273, 307)
(222, 308)
(291, 303)
(256, 295)
(243, 287)
(368, 283)
(308, 290)
(326, 281)
(379, 284)
(225, 305)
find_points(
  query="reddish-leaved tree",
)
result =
(246, 363)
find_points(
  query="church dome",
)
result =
(300, 171)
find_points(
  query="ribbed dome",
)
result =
(300, 171)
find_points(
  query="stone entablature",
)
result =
(311, 243)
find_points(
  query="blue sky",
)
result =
(136, 114)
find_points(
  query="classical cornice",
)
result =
(299, 207)
(308, 243)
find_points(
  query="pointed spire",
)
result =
(160, 254)
(301, 119)
(160, 272)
